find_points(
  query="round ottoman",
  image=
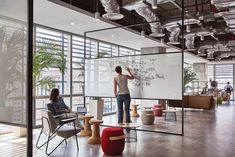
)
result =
(112, 141)
(157, 109)
(147, 117)
(157, 106)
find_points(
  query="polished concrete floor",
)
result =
(207, 134)
(160, 124)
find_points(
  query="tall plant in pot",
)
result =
(189, 76)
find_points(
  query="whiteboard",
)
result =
(157, 76)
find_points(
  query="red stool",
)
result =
(112, 141)
(157, 110)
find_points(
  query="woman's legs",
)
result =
(127, 101)
(120, 108)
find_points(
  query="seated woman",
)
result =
(58, 107)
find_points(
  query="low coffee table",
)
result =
(169, 113)
(128, 128)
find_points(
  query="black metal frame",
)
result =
(183, 43)
(30, 79)
(52, 134)
(182, 51)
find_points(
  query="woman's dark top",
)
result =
(59, 106)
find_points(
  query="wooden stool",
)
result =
(87, 126)
(95, 138)
(134, 111)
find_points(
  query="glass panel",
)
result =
(211, 72)
(78, 47)
(54, 47)
(137, 52)
(125, 51)
(73, 52)
(77, 102)
(78, 64)
(105, 50)
(13, 76)
(41, 103)
(13, 53)
(224, 74)
(114, 50)
(109, 105)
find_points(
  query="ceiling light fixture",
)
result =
(188, 28)
(97, 13)
(154, 4)
(72, 23)
(142, 33)
(202, 37)
(112, 36)
(97, 16)
(210, 55)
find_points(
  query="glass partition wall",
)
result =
(222, 73)
(14, 76)
(69, 49)
(149, 65)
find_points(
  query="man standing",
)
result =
(228, 88)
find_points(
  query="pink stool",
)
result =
(157, 110)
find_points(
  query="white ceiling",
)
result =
(14, 9)
(59, 17)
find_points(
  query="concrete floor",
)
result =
(207, 134)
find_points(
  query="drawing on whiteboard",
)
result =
(144, 71)
(152, 72)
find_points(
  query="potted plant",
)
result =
(189, 76)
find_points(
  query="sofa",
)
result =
(194, 101)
